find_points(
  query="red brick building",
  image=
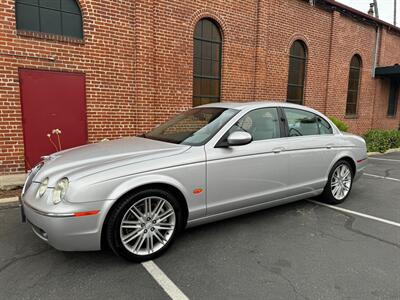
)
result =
(112, 68)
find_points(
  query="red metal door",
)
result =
(50, 101)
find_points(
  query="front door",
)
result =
(53, 112)
(242, 176)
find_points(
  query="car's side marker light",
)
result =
(361, 160)
(197, 191)
(86, 213)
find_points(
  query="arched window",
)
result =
(207, 62)
(61, 17)
(297, 71)
(354, 85)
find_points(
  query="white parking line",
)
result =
(382, 177)
(356, 213)
(388, 159)
(168, 286)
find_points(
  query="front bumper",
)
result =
(63, 230)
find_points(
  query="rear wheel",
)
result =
(144, 225)
(339, 183)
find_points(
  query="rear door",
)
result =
(51, 101)
(312, 148)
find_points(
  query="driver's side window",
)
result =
(262, 124)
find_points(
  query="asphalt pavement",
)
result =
(297, 251)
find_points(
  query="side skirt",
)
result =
(249, 209)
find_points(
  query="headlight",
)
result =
(29, 178)
(60, 190)
(42, 188)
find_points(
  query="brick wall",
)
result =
(138, 56)
(349, 38)
(389, 55)
(106, 57)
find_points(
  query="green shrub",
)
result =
(342, 126)
(382, 140)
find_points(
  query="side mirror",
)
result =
(239, 138)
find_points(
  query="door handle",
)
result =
(329, 146)
(278, 150)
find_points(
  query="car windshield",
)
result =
(194, 127)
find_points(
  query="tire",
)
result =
(139, 234)
(337, 180)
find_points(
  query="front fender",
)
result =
(186, 175)
(136, 182)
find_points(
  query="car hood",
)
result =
(94, 158)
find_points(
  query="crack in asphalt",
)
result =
(310, 214)
(18, 258)
(291, 284)
(277, 271)
(350, 219)
(323, 233)
(349, 226)
(388, 172)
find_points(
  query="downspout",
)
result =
(376, 52)
(328, 71)
(377, 39)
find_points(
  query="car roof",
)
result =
(243, 105)
(247, 106)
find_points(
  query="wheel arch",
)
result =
(145, 186)
(350, 161)
(342, 156)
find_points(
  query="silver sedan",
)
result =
(212, 162)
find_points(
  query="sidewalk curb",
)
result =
(10, 182)
(9, 200)
(394, 150)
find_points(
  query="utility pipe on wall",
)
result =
(377, 43)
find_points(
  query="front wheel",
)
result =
(339, 183)
(143, 225)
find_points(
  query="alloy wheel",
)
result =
(147, 225)
(341, 182)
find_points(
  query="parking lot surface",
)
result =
(298, 251)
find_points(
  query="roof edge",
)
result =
(333, 4)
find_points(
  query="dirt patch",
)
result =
(10, 193)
